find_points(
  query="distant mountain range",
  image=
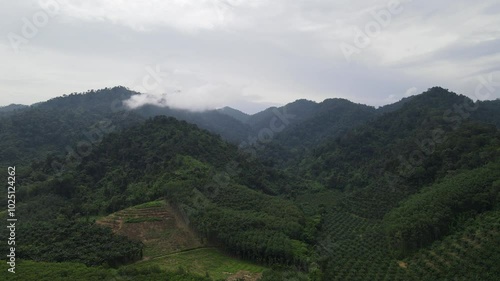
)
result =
(299, 125)
(323, 191)
(11, 107)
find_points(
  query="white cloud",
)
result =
(183, 89)
(184, 15)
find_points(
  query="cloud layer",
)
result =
(253, 53)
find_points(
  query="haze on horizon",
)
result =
(247, 54)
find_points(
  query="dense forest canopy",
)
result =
(312, 191)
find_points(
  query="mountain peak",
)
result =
(235, 113)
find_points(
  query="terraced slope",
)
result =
(157, 225)
(171, 245)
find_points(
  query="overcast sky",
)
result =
(248, 54)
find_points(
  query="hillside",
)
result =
(236, 114)
(340, 191)
(72, 123)
(62, 125)
(391, 207)
(294, 112)
(313, 125)
(386, 145)
(11, 107)
(488, 112)
(160, 228)
(228, 127)
(170, 243)
(167, 158)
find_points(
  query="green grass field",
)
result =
(201, 261)
(218, 265)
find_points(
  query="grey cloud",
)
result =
(467, 51)
(253, 53)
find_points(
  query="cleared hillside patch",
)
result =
(156, 225)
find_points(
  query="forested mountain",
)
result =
(409, 178)
(236, 114)
(403, 150)
(55, 126)
(294, 112)
(488, 112)
(331, 118)
(325, 191)
(11, 107)
(58, 125)
(214, 121)
(394, 106)
(222, 192)
(314, 123)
